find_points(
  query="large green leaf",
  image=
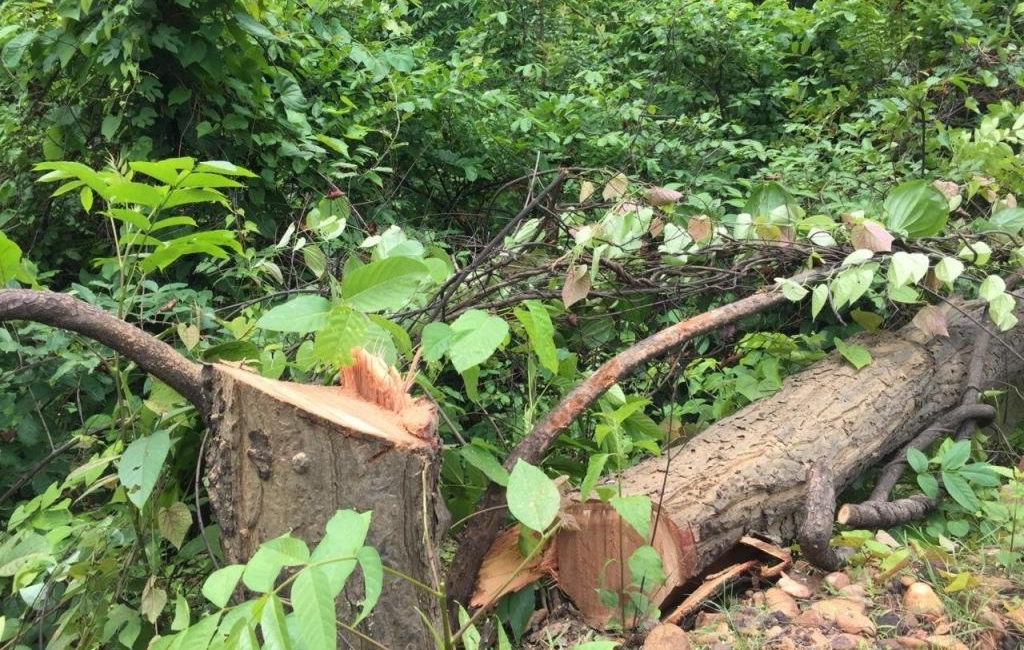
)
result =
(221, 584)
(477, 335)
(313, 605)
(540, 331)
(386, 284)
(343, 331)
(532, 497)
(916, 209)
(140, 465)
(263, 568)
(302, 315)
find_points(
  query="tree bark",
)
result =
(747, 472)
(285, 457)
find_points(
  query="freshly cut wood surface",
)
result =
(285, 457)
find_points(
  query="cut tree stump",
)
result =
(285, 457)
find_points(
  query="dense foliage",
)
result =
(517, 192)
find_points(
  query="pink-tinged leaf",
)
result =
(700, 228)
(657, 226)
(659, 196)
(577, 284)
(872, 236)
(931, 320)
(949, 189)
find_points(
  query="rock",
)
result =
(810, 619)
(848, 615)
(854, 592)
(667, 637)
(837, 580)
(921, 599)
(794, 588)
(780, 602)
(846, 642)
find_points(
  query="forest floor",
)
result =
(915, 596)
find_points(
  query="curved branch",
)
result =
(490, 509)
(69, 313)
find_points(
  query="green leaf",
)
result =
(929, 485)
(484, 461)
(981, 474)
(907, 268)
(252, 26)
(772, 203)
(336, 553)
(11, 266)
(125, 191)
(274, 626)
(819, 298)
(140, 465)
(917, 460)
(225, 168)
(343, 331)
(182, 615)
(168, 171)
(387, 284)
(15, 48)
(857, 355)
(1001, 310)
(174, 522)
(793, 291)
(595, 466)
(1009, 220)
(263, 568)
(540, 331)
(303, 314)
(645, 567)
(313, 605)
(916, 209)
(955, 455)
(373, 579)
(858, 256)
(636, 510)
(532, 497)
(153, 601)
(977, 253)
(992, 287)
(436, 339)
(477, 336)
(961, 491)
(852, 283)
(221, 584)
(948, 269)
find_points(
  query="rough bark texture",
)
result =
(285, 457)
(747, 472)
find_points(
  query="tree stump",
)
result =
(285, 457)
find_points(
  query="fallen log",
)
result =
(747, 472)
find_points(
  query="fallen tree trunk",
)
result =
(747, 472)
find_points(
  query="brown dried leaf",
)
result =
(700, 228)
(659, 196)
(577, 285)
(615, 187)
(931, 320)
(871, 235)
